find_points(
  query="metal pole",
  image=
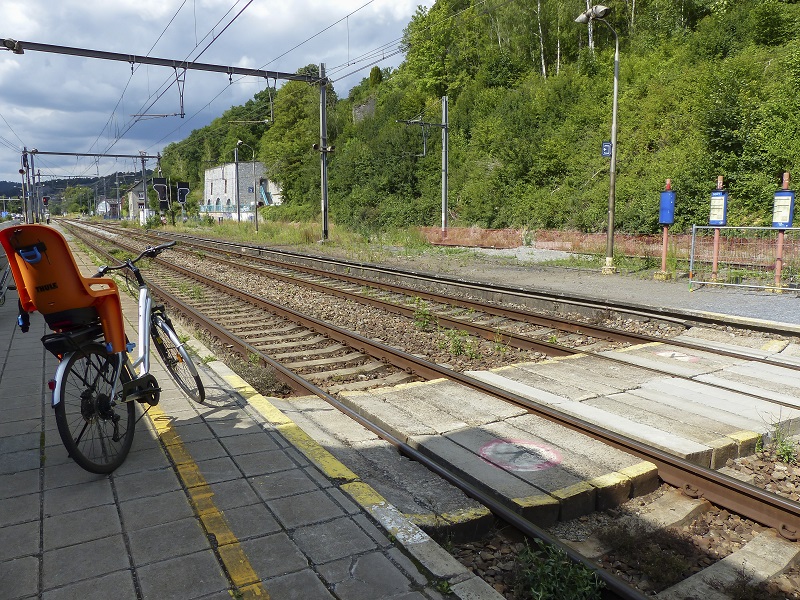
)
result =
(323, 143)
(35, 199)
(29, 214)
(445, 138)
(612, 181)
(255, 193)
(236, 175)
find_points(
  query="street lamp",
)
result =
(255, 197)
(598, 13)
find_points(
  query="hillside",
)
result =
(706, 88)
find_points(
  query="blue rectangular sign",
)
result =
(719, 208)
(666, 212)
(783, 209)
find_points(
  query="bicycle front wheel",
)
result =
(96, 432)
(176, 359)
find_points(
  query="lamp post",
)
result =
(236, 168)
(598, 12)
(255, 197)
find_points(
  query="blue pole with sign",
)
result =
(666, 217)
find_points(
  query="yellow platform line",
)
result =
(244, 578)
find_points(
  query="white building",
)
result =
(219, 191)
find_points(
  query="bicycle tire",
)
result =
(176, 359)
(97, 434)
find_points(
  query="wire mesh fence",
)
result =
(744, 256)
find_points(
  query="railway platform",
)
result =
(227, 499)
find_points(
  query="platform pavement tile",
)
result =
(399, 557)
(367, 577)
(263, 462)
(304, 509)
(166, 540)
(219, 469)
(232, 494)
(27, 426)
(19, 509)
(303, 585)
(206, 450)
(83, 561)
(19, 443)
(60, 470)
(76, 497)
(26, 540)
(143, 460)
(249, 443)
(332, 540)
(251, 521)
(19, 578)
(80, 526)
(192, 430)
(19, 484)
(24, 460)
(146, 483)
(377, 535)
(273, 555)
(239, 425)
(183, 577)
(21, 412)
(647, 357)
(282, 484)
(98, 588)
(155, 510)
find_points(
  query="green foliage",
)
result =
(706, 88)
(546, 573)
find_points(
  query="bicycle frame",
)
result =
(142, 361)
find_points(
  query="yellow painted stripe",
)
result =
(323, 459)
(243, 576)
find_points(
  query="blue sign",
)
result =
(606, 149)
(783, 209)
(719, 208)
(666, 212)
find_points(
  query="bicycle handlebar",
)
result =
(149, 252)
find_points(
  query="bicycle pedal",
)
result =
(142, 389)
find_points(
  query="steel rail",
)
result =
(524, 342)
(750, 501)
(742, 498)
(615, 585)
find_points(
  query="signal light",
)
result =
(45, 200)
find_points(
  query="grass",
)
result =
(546, 573)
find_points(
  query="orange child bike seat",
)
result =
(48, 280)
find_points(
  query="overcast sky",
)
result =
(57, 103)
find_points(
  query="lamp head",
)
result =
(239, 142)
(13, 45)
(599, 11)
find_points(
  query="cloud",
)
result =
(75, 104)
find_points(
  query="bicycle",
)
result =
(96, 386)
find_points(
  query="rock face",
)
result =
(362, 111)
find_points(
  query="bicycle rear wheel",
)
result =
(176, 359)
(96, 433)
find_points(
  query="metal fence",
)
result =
(744, 256)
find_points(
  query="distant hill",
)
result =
(9, 188)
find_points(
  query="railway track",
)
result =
(373, 361)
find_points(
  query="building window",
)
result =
(212, 189)
(225, 191)
(141, 195)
